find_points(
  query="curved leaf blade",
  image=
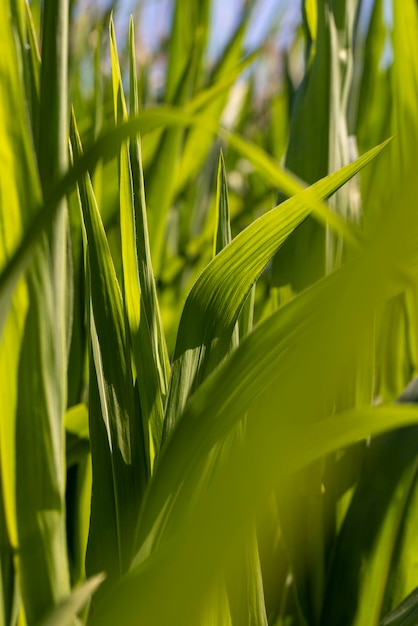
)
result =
(216, 299)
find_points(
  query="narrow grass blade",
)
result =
(54, 81)
(211, 101)
(115, 438)
(33, 349)
(165, 167)
(402, 578)
(222, 223)
(20, 196)
(312, 162)
(151, 353)
(189, 34)
(108, 144)
(369, 127)
(31, 60)
(145, 330)
(341, 23)
(186, 47)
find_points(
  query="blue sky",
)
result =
(284, 14)
(156, 18)
(156, 15)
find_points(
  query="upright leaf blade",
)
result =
(146, 338)
(118, 469)
(34, 341)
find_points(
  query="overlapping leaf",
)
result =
(213, 305)
(115, 432)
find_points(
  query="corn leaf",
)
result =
(285, 491)
(146, 275)
(388, 574)
(66, 612)
(34, 341)
(189, 36)
(213, 305)
(269, 375)
(187, 45)
(405, 614)
(143, 319)
(212, 101)
(345, 289)
(384, 517)
(108, 144)
(113, 412)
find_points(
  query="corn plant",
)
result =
(208, 329)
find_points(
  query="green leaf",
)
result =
(380, 506)
(33, 347)
(222, 222)
(214, 303)
(138, 596)
(285, 375)
(108, 144)
(382, 560)
(186, 47)
(189, 34)
(115, 439)
(406, 614)
(150, 351)
(319, 124)
(65, 613)
(143, 319)
(212, 100)
(244, 587)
